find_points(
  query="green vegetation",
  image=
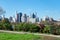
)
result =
(46, 29)
(51, 27)
(27, 27)
(43, 27)
(55, 29)
(12, 36)
(9, 36)
(5, 24)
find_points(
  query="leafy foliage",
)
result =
(5, 24)
(27, 27)
(55, 29)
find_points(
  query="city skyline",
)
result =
(43, 8)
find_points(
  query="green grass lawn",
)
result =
(10, 36)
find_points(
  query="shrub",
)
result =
(46, 29)
(55, 30)
(19, 27)
(34, 28)
(27, 27)
(41, 26)
(7, 26)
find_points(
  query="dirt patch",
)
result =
(50, 38)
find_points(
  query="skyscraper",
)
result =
(19, 15)
(37, 19)
(33, 15)
(0, 18)
(24, 18)
(46, 18)
(10, 19)
(17, 18)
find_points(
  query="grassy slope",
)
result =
(8, 36)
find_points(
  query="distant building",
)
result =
(46, 18)
(24, 18)
(28, 18)
(18, 18)
(33, 15)
(10, 19)
(37, 19)
(41, 19)
(32, 20)
(0, 18)
(14, 20)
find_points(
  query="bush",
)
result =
(55, 30)
(1, 26)
(34, 28)
(46, 29)
(22, 26)
(41, 26)
(19, 26)
(27, 27)
(7, 26)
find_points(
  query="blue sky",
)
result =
(43, 8)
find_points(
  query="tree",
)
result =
(47, 29)
(6, 24)
(42, 26)
(34, 28)
(55, 29)
(1, 25)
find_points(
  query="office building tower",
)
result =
(24, 18)
(32, 20)
(37, 19)
(10, 19)
(33, 15)
(0, 18)
(27, 18)
(17, 18)
(14, 20)
(46, 18)
(41, 20)
(19, 15)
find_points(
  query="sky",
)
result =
(43, 8)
